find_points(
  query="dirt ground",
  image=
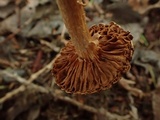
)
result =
(31, 36)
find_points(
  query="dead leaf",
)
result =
(4, 11)
(135, 29)
(4, 2)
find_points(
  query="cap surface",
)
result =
(112, 54)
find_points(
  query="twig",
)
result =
(25, 82)
(21, 88)
(22, 81)
(101, 111)
(45, 69)
(126, 85)
(5, 62)
(63, 98)
(9, 37)
(62, 35)
(50, 45)
(99, 9)
(37, 62)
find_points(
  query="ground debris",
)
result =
(31, 36)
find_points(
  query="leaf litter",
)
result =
(31, 35)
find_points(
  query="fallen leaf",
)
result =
(4, 2)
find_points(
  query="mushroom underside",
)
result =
(112, 54)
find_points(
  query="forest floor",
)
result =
(31, 35)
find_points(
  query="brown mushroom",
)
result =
(93, 59)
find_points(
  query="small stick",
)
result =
(25, 82)
(37, 62)
(56, 96)
(91, 109)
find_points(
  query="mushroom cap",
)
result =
(113, 51)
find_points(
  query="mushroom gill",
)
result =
(112, 48)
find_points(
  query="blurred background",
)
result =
(31, 35)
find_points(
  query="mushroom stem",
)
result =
(74, 18)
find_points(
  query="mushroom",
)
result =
(93, 59)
